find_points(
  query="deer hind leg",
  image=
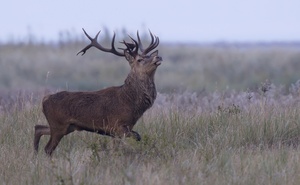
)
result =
(39, 130)
(56, 136)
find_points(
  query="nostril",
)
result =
(158, 58)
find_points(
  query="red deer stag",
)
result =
(112, 111)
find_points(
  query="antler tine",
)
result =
(135, 52)
(152, 37)
(93, 40)
(95, 43)
(140, 43)
(113, 49)
(154, 43)
(96, 37)
(130, 47)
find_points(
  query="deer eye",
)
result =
(140, 60)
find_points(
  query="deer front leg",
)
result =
(126, 132)
(135, 135)
(53, 142)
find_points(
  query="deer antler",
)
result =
(152, 45)
(132, 48)
(95, 43)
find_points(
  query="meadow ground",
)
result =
(187, 138)
(213, 122)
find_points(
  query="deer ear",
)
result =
(154, 53)
(128, 57)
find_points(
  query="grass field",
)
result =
(222, 116)
(187, 138)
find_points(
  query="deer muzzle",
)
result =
(158, 60)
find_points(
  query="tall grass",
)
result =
(245, 137)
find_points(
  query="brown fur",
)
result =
(112, 111)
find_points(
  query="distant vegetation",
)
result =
(193, 67)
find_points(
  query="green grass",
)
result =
(231, 140)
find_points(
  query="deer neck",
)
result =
(141, 90)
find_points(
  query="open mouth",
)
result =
(158, 62)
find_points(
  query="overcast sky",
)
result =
(171, 20)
